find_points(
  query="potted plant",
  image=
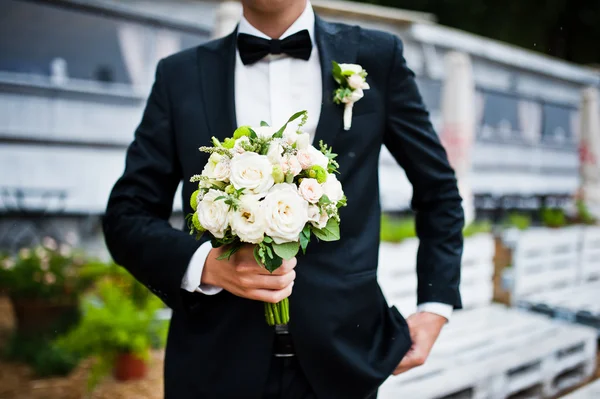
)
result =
(43, 284)
(118, 327)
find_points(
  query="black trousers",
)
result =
(287, 381)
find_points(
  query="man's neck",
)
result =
(276, 23)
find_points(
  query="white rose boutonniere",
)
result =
(352, 79)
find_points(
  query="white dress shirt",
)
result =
(272, 90)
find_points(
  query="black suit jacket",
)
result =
(348, 339)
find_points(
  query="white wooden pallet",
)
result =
(590, 254)
(494, 352)
(590, 391)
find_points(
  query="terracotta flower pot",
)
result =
(39, 316)
(129, 367)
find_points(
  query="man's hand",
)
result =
(242, 276)
(424, 329)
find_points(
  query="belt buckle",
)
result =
(284, 346)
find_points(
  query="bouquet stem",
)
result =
(277, 313)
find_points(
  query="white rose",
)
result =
(316, 217)
(304, 158)
(213, 215)
(209, 168)
(222, 170)
(310, 190)
(303, 141)
(237, 147)
(354, 68)
(332, 188)
(357, 82)
(290, 134)
(275, 151)
(318, 158)
(285, 212)
(290, 164)
(248, 222)
(265, 132)
(252, 172)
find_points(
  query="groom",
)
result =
(344, 338)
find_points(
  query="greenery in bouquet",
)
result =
(119, 317)
(271, 188)
(49, 272)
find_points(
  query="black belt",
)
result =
(283, 346)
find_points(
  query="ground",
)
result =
(17, 381)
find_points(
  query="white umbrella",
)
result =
(458, 123)
(589, 150)
(227, 17)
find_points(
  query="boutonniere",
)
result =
(352, 79)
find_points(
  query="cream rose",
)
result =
(213, 215)
(316, 217)
(251, 172)
(265, 132)
(290, 134)
(332, 188)
(275, 151)
(285, 212)
(222, 169)
(310, 190)
(248, 222)
(354, 68)
(304, 158)
(302, 141)
(290, 164)
(318, 158)
(237, 147)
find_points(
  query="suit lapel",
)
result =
(216, 61)
(336, 43)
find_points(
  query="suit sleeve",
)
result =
(439, 218)
(136, 228)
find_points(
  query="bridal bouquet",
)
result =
(271, 188)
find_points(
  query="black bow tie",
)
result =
(253, 48)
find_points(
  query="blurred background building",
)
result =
(74, 76)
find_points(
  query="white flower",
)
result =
(354, 68)
(24, 253)
(265, 132)
(222, 169)
(49, 278)
(275, 151)
(310, 190)
(317, 217)
(290, 164)
(49, 243)
(290, 134)
(209, 168)
(251, 172)
(65, 250)
(332, 188)
(304, 158)
(213, 215)
(8, 263)
(248, 222)
(237, 147)
(318, 158)
(303, 141)
(357, 82)
(286, 213)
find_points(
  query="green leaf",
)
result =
(267, 239)
(331, 232)
(257, 256)
(253, 134)
(287, 250)
(305, 238)
(230, 251)
(273, 264)
(269, 251)
(324, 200)
(279, 133)
(337, 72)
(263, 123)
(220, 197)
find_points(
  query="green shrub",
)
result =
(397, 229)
(517, 220)
(584, 214)
(477, 227)
(553, 217)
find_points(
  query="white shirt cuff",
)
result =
(441, 309)
(193, 275)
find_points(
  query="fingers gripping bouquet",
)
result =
(271, 188)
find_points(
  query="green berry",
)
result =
(196, 223)
(230, 189)
(277, 174)
(194, 199)
(241, 131)
(317, 172)
(229, 143)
